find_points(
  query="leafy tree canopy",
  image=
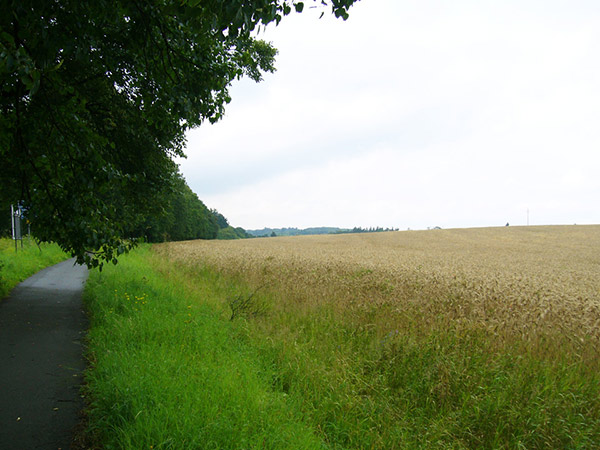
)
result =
(180, 215)
(96, 96)
(230, 233)
(221, 220)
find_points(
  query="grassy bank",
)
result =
(17, 266)
(171, 370)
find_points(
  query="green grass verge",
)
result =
(16, 266)
(170, 370)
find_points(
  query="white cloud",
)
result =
(414, 113)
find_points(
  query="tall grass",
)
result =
(171, 370)
(443, 388)
(16, 266)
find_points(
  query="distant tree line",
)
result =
(270, 232)
(366, 230)
(176, 214)
(226, 231)
(233, 233)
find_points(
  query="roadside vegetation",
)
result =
(18, 266)
(443, 339)
(170, 371)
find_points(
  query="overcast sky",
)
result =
(414, 114)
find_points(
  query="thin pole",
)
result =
(14, 231)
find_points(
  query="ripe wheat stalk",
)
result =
(529, 282)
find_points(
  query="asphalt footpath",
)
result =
(42, 326)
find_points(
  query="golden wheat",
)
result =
(526, 281)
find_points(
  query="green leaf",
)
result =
(7, 38)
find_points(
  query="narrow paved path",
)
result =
(42, 324)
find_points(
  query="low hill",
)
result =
(294, 231)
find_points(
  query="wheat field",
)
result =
(447, 339)
(531, 282)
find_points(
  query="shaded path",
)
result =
(42, 324)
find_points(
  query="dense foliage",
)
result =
(178, 215)
(95, 99)
(183, 216)
(230, 232)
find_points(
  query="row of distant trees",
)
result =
(177, 214)
(366, 230)
(272, 232)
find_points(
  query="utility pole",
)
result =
(527, 216)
